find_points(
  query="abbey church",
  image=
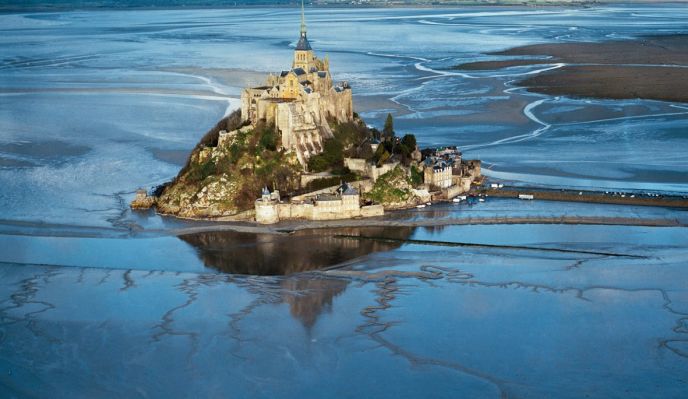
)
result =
(300, 101)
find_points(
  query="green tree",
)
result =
(388, 130)
(409, 141)
(268, 140)
(416, 176)
(375, 134)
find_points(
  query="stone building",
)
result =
(266, 207)
(445, 170)
(437, 173)
(471, 168)
(366, 168)
(343, 203)
(300, 101)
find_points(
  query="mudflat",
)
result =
(653, 67)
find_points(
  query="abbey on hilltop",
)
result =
(296, 150)
(300, 101)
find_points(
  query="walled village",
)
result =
(298, 147)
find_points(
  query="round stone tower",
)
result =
(266, 208)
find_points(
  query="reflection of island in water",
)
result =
(307, 298)
(271, 254)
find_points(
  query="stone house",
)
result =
(437, 173)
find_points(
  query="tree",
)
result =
(374, 133)
(268, 140)
(409, 141)
(388, 130)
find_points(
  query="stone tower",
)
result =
(300, 102)
(303, 55)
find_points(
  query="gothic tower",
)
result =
(303, 55)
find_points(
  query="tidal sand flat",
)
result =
(415, 321)
(98, 301)
(651, 67)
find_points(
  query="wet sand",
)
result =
(232, 77)
(298, 225)
(615, 82)
(487, 65)
(654, 68)
(591, 197)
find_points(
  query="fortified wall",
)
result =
(344, 203)
(366, 168)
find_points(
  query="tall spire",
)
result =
(303, 44)
(303, 19)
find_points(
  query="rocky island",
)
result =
(297, 150)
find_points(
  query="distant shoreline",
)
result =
(224, 6)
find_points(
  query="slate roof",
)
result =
(303, 43)
(326, 197)
(347, 189)
(440, 165)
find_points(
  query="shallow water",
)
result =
(99, 301)
(421, 320)
(121, 96)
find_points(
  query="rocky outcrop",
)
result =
(142, 200)
(226, 171)
(394, 190)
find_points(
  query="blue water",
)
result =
(97, 301)
(128, 84)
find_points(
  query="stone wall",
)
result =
(471, 168)
(377, 172)
(463, 185)
(372, 210)
(319, 214)
(422, 194)
(466, 183)
(368, 169)
(295, 211)
(452, 191)
(311, 177)
(303, 126)
(266, 212)
(363, 186)
(301, 120)
(345, 207)
(358, 165)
